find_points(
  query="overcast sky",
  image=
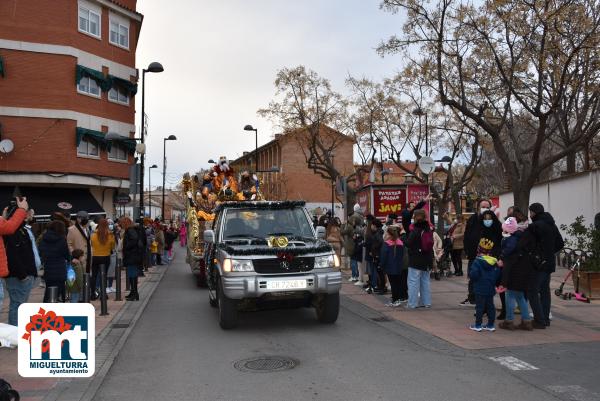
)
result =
(221, 57)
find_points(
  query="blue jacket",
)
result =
(391, 262)
(509, 245)
(55, 255)
(485, 274)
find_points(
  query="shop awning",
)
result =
(47, 200)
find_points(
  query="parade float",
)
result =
(204, 192)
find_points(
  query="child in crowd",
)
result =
(484, 273)
(516, 275)
(77, 263)
(390, 260)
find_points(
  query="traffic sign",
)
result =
(426, 164)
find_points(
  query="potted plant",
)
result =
(586, 238)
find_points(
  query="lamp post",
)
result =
(249, 127)
(169, 138)
(332, 155)
(150, 187)
(154, 67)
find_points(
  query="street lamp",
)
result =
(445, 159)
(150, 187)
(419, 112)
(169, 138)
(249, 127)
(154, 67)
(332, 155)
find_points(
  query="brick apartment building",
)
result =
(68, 77)
(294, 179)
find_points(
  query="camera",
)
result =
(12, 207)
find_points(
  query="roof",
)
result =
(283, 136)
(260, 205)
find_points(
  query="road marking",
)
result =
(513, 363)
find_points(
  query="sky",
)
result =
(221, 57)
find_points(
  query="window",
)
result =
(118, 94)
(89, 21)
(119, 34)
(87, 147)
(117, 152)
(88, 85)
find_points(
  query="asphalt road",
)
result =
(178, 352)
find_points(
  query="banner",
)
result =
(416, 193)
(388, 201)
(362, 198)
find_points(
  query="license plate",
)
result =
(286, 284)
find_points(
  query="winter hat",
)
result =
(510, 225)
(536, 208)
(357, 208)
(485, 246)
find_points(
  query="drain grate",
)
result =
(381, 319)
(120, 325)
(265, 364)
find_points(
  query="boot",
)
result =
(507, 325)
(537, 325)
(135, 296)
(526, 325)
(131, 289)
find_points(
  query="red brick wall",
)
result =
(48, 146)
(47, 81)
(56, 22)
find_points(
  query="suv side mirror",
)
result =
(321, 232)
(209, 236)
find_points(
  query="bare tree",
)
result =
(524, 72)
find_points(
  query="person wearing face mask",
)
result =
(484, 224)
(78, 237)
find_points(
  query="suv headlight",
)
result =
(327, 262)
(237, 265)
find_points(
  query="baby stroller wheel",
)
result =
(557, 292)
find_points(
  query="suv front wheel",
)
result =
(327, 307)
(227, 309)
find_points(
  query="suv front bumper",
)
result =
(241, 287)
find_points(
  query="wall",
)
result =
(565, 198)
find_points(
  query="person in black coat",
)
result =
(134, 244)
(408, 213)
(55, 255)
(476, 229)
(420, 262)
(548, 241)
(375, 250)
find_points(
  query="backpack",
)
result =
(426, 241)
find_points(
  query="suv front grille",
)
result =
(276, 266)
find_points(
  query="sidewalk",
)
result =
(573, 321)
(35, 389)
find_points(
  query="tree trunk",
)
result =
(571, 162)
(521, 197)
(457, 203)
(441, 208)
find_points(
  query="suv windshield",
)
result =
(262, 223)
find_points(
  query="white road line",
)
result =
(513, 363)
(576, 393)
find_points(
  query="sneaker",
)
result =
(489, 327)
(403, 301)
(358, 282)
(351, 279)
(398, 303)
(390, 304)
(475, 327)
(550, 316)
(369, 290)
(466, 302)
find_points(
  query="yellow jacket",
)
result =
(103, 249)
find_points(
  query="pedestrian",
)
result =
(548, 241)
(357, 221)
(438, 254)
(7, 227)
(55, 255)
(483, 224)
(78, 265)
(420, 261)
(78, 237)
(457, 234)
(333, 236)
(21, 262)
(347, 232)
(134, 243)
(408, 212)
(484, 273)
(182, 234)
(391, 260)
(375, 250)
(103, 245)
(368, 258)
(516, 275)
(170, 238)
(159, 236)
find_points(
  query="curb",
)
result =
(85, 389)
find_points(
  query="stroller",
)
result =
(443, 265)
(574, 269)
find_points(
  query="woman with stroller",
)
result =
(457, 235)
